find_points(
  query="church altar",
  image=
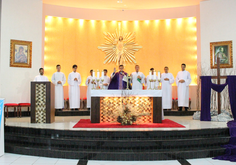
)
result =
(104, 102)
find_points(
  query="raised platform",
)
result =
(85, 112)
(60, 140)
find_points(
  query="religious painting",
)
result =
(21, 54)
(223, 50)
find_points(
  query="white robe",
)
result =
(89, 88)
(136, 85)
(167, 90)
(153, 84)
(59, 94)
(41, 78)
(74, 89)
(183, 88)
(106, 81)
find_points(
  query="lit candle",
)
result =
(155, 75)
(93, 75)
(159, 75)
(150, 73)
(102, 75)
(98, 74)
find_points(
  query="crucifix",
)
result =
(218, 77)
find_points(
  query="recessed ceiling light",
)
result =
(119, 1)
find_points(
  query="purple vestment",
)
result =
(117, 81)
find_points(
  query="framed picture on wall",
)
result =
(223, 50)
(21, 54)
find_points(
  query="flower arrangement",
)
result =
(127, 112)
(127, 115)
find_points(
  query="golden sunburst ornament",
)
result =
(119, 47)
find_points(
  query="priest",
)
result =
(118, 79)
(138, 79)
(41, 77)
(59, 79)
(167, 79)
(90, 82)
(106, 80)
(149, 81)
(183, 80)
(74, 81)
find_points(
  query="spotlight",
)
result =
(119, 1)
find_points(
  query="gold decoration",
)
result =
(111, 106)
(119, 47)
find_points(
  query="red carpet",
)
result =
(86, 123)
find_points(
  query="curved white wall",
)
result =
(126, 15)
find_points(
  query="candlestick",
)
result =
(102, 74)
(159, 75)
(98, 74)
(102, 83)
(93, 75)
(93, 79)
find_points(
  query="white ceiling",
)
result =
(126, 4)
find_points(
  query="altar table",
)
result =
(103, 102)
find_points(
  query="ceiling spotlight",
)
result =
(119, 1)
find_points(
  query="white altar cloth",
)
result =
(118, 93)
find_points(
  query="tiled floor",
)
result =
(14, 159)
(67, 123)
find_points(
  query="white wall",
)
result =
(2, 144)
(20, 20)
(218, 23)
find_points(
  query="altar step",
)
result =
(179, 113)
(116, 145)
(85, 112)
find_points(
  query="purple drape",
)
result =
(232, 94)
(207, 85)
(230, 149)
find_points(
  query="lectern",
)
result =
(42, 102)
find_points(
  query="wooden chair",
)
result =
(14, 105)
(23, 105)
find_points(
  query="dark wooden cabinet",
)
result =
(42, 102)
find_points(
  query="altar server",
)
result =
(138, 79)
(59, 79)
(106, 80)
(41, 77)
(74, 81)
(183, 80)
(149, 81)
(118, 79)
(90, 82)
(167, 79)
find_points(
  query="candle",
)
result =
(102, 75)
(159, 75)
(155, 75)
(150, 73)
(93, 75)
(98, 74)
